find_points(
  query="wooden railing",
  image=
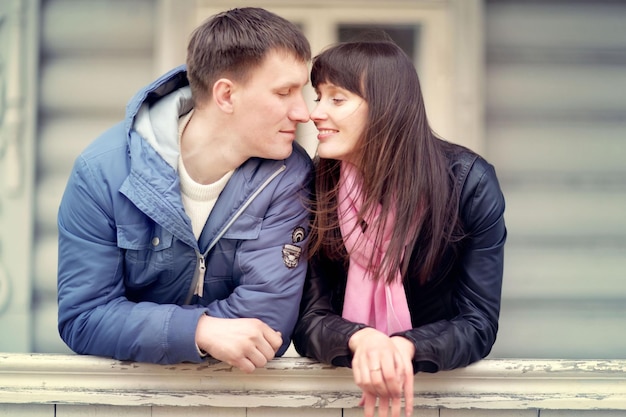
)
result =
(49, 384)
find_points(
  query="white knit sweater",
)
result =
(198, 199)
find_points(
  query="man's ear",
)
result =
(223, 93)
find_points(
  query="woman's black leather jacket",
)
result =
(454, 314)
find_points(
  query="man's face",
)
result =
(269, 105)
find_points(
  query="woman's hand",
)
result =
(382, 368)
(407, 352)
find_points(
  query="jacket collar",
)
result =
(245, 181)
(162, 86)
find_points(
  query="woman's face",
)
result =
(340, 117)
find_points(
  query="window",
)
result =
(405, 36)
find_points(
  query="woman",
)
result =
(408, 232)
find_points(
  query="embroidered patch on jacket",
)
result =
(291, 253)
(298, 234)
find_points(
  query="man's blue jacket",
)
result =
(128, 258)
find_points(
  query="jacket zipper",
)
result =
(199, 273)
(197, 283)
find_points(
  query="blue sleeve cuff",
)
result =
(181, 335)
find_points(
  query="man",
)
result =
(182, 228)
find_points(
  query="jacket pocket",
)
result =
(148, 253)
(245, 228)
(221, 260)
(222, 274)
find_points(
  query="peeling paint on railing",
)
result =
(504, 384)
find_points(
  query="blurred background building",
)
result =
(535, 86)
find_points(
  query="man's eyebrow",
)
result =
(295, 84)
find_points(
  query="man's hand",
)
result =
(246, 344)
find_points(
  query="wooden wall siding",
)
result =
(556, 132)
(70, 385)
(18, 97)
(94, 56)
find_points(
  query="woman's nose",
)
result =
(317, 113)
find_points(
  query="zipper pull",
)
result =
(200, 284)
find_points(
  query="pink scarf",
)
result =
(374, 303)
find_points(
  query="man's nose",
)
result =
(300, 112)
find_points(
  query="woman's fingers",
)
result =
(382, 367)
(369, 404)
(396, 406)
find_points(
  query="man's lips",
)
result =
(290, 132)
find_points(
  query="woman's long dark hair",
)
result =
(403, 164)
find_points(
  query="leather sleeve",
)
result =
(321, 332)
(470, 334)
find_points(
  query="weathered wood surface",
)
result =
(301, 383)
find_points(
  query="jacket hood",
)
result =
(154, 111)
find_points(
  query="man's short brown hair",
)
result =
(232, 43)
